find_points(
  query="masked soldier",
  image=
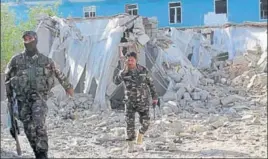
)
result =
(139, 87)
(30, 75)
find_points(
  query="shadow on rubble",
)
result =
(210, 153)
(11, 154)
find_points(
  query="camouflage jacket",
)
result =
(139, 85)
(25, 74)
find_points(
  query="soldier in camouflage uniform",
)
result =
(30, 75)
(139, 87)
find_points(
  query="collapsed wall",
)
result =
(185, 65)
(86, 50)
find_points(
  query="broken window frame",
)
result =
(89, 12)
(221, 7)
(176, 15)
(131, 11)
(263, 10)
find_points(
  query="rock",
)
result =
(172, 146)
(182, 103)
(198, 128)
(200, 110)
(204, 95)
(214, 102)
(102, 124)
(176, 126)
(256, 120)
(178, 86)
(196, 89)
(187, 97)
(223, 80)
(247, 117)
(259, 80)
(219, 122)
(160, 143)
(177, 140)
(93, 117)
(118, 131)
(180, 93)
(167, 110)
(82, 99)
(103, 137)
(116, 149)
(209, 81)
(196, 104)
(207, 133)
(189, 88)
(173, 106)
(175, 76)
(212, 110)
(186, 114)
(231, 99)
(240, 107)
(148, 147)
(170, 96)
(195, 95)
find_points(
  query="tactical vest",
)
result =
(136, 86)
(31, 75)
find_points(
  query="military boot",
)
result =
(139, 138)
(41, 155)
(130, 148)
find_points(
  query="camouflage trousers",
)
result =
(33, 114)
(144, 118)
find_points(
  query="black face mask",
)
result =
(31, 48)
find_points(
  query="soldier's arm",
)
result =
(9, 73)
(150, 83)
(118, 78)
(60, 76)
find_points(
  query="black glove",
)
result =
(11, 130)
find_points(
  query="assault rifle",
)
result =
(157, 104)
(14, 129)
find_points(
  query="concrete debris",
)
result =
(187, 97)
(180, 93)
(231, 99)
(169, 96)
(199, 105)
(196, 96)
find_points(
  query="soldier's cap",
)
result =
(132, 54)
(30, 33)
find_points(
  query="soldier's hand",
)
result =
(155, 101)
(125, 67)
(70, 92)
(13, 127)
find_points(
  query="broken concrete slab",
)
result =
(219, 122)
(187, 97)
(200, 110)
(180, 93)
(214, 102)
(173, 106)
(231, 99)
(204, 95)
(196, 96)
(169, 96)
(179, 86)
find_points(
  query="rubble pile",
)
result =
(70, 107)
(244, 73)
(202, 113)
